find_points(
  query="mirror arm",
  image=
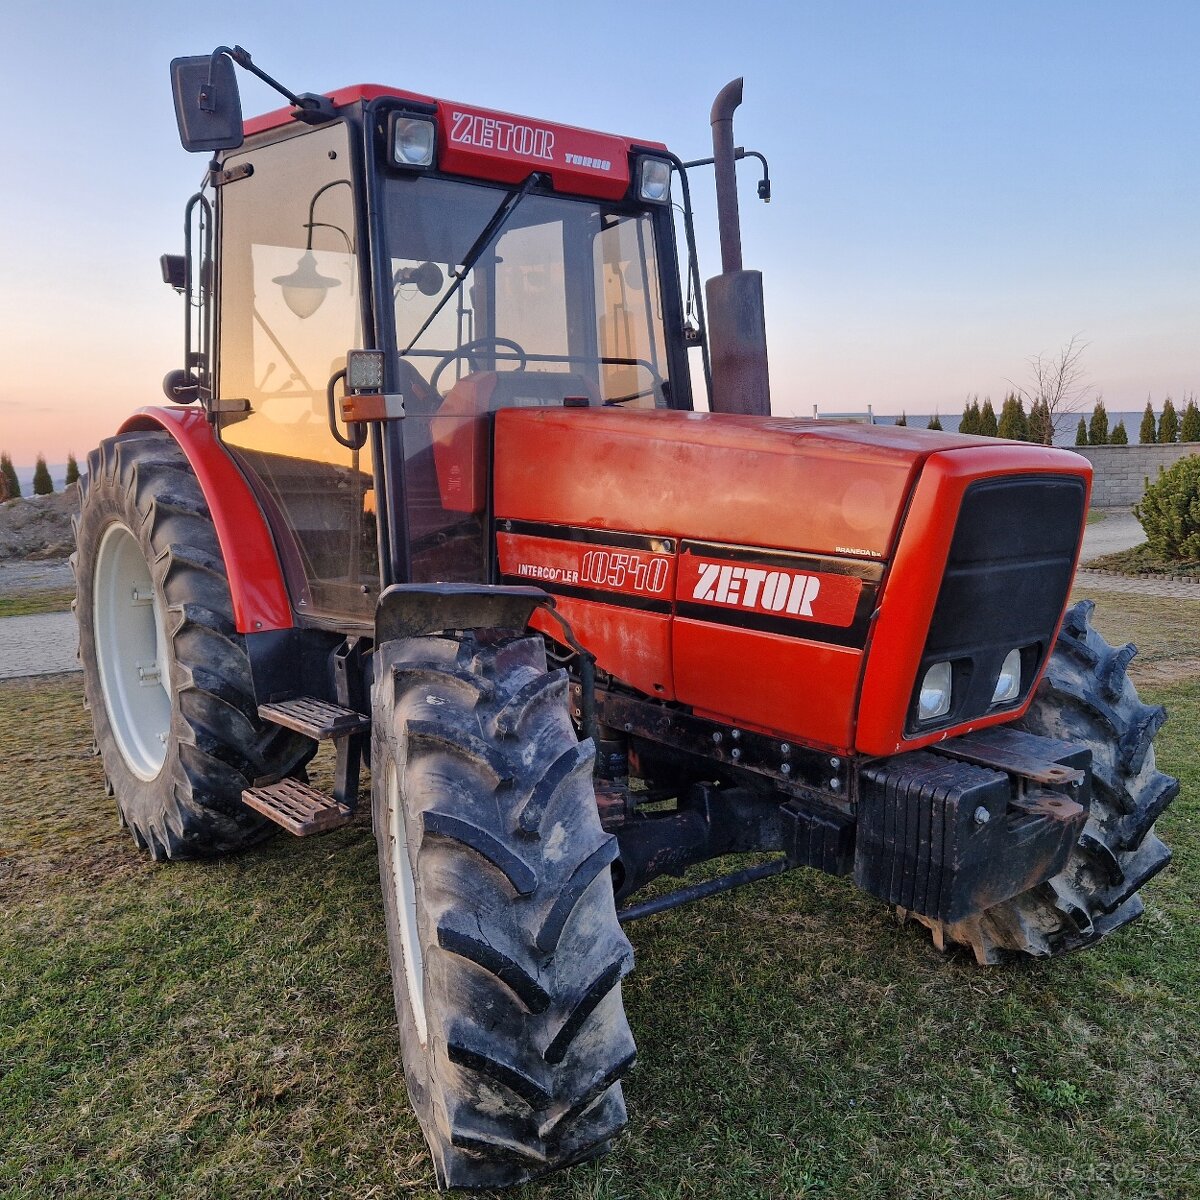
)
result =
(311, 108)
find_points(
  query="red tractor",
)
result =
(434, 486)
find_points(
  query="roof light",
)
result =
(654, 180)
(412, 140)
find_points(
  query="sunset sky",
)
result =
(957, 186)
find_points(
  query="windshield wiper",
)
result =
(497, 222)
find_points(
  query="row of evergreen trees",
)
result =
(43, 485)
(1168, 428)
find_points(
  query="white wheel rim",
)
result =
(131, 652)
(404, 888)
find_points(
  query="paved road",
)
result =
(40, 645)
(1118, 531)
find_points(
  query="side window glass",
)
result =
(290, 309)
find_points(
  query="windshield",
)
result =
(563, 288)
(507, 299)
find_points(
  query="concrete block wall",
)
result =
(1121, 471)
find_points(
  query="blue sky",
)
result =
(957, 186)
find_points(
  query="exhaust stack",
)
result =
(737, 325)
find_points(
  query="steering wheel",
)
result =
(469, 349)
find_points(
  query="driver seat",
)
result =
(460, 426)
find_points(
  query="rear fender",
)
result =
(260, 596)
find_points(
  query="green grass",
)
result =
(1141, 560)
(1095, 516)
(28, 604)
(226, 1029)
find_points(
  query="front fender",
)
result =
(256, 584)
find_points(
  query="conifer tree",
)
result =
(902, 419)
(970, 417)
(72, 475)
(1081, 434)
(1041, 424)
(1168, 423)
(13, 484)
(935, 423)
(1119, 437)
(1189, 430)
(1014, 423)
(1098, 426)
(988, 426)
(1146, 431)
(43, 485)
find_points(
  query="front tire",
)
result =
(1086, 697)
(504, 943)
(165, 672)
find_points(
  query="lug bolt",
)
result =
(786, 769)
(835, 763)
(735, 734)
(717, 739)
(785, 748)
(735, 753)
(835, 785)
(982, 816)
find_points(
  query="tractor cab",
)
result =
(491, 261)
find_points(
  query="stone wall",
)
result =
(1121, 471)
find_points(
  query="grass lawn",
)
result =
(226, 1029)
(28, 604)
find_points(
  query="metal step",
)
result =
(314, 718)
(299, 808)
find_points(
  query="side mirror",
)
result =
(208, 107)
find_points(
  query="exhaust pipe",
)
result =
(737, 326)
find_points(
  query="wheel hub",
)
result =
(131, 651)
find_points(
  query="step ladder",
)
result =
(298, 807)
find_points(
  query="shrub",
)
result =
(1119, 437)
(1098, 426)
(1081, 433)
(902, 419)
(1170, 510)
(935, 423)
(72, 475)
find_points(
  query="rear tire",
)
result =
(1086, 697)
(504, 943)
(165, 671)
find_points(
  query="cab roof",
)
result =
(499, 146)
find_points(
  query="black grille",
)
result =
(1005, 586)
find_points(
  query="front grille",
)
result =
(1004, 588)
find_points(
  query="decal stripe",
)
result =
(853, 637)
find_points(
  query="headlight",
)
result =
(1008, 685)
(934, 700)
(412, 141)
(654, 180)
